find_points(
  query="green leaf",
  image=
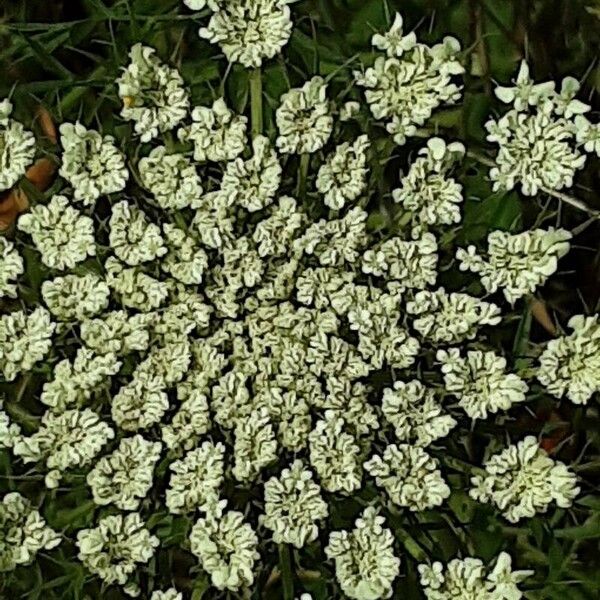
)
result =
(238, 88)
(462, 505)
(46, 59)
(70, 518)
(498, 211)
(589, 501)
(589, 530)
(201, 585)
(285, 566)
(365, 22)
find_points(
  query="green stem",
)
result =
(80, 89)
(21, 416)
(285, 566)
(403, 219)
(256, 102)
(574, 202)
(33, 194)
(409, 543)
(67, 517)
(302, 175)
(16, 412)
(462, 466)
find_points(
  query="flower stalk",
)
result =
(256, 109)
(303, 175)
(285, 565)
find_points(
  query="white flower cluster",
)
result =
(62, 235)
(9, 432)
(342, 179)
(450, 318)
(91, 163)
(24, 340)
(65, 440)
(117, 332)
(249, 31)
(23, 532)
(411, 264)
(143, 401)
(133, 239)
(293, 506)
(516, 264)
(125, 476)
(11, 266)
(17, 147)
(196, 479)
(185, 261)
(253, 183)
(410, 476)
(571, 364)
(427, 191)
(365, 563)
(523, 480)
(304, 118)
(414, 412)
(480, 382)
(76, 382)
(410, 81)
(335, 455)
(213, 316)
(131, 285)
(217, 132)
(470, 579)
(171, 178)
(191, 420)
(152, 93)
(255, 445)
(74, 297)
(116, 547)
(337, 241)
(540, 138)
(226, 547)
(275, 234)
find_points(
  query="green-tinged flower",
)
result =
(405, 86)
(293, 506)
(480, 381)
(91, 163)
(226, 547)
(126, 475)
(570, 365)
(24, 340)
(23, 532)
(152, 92)
(304, 118)
(523, 480)
(196, 479)
(410, 476)
(115, 549)
(11, 267)
(17, 147)
(365, 563)
(65, 440)
(249, 31)
(62, 235)
(470, 579)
